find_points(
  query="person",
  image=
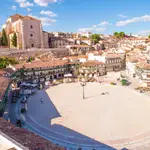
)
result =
(41, 100)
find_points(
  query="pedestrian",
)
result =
(41, 100)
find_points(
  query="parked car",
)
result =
(14, 97)
(23, 108)
(14, 94)
(24, 100)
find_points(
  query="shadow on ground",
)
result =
(49, 112)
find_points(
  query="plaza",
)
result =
(120, 116)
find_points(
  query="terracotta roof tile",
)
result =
(26, 138)
(4, 82)
(143, 65)
(41, 64)
(91, 63)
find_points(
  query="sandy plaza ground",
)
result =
(122, 113)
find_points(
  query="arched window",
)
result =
(31, 27)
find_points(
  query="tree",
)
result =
(121, 35)
(149, 36)
(95, 38)
(14, 40)
(4, 40)
(116, 34)
(84, 37)
(5, 61)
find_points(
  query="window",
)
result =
(148, 76)
(31, 35)
(31, 27)
(32, 45)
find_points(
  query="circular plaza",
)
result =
(109, 114)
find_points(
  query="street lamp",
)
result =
(83, 84)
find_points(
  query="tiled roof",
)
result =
(4, 82)
(112, 56)
(41, 64)
(26, 138)
(2, 72)
(95, 52)
(17, 16)
(91, 63)
(79, 46)
(77, 57)
(143, 65)
(132, 60)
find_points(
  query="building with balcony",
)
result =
(78, 49)
(113, 62)
(60, 42)
(44, 71)
(92, 68)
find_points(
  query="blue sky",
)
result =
(101, 16)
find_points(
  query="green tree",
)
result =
(149, 36)
(5, 61)
(84, 37)
(4, 40)
(14, 40)
(95, 38)
(121, 35)
(116, 34)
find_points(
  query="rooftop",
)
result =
(112, 56)
(41, 64)
(92, 63)
(26, 138)
(4, 82)
(143, 65)
(18, 16)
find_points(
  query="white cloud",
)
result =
(45, 3)
(24, 3)
(86, 30)
(103, 23)
(91, 30)
(45, 20)
(145, 18)
(100, 29)
(122, 16)
(20, 1)
(29, 9)
(48, 13)
(96, 28)
(144, 32)
(13, 7)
